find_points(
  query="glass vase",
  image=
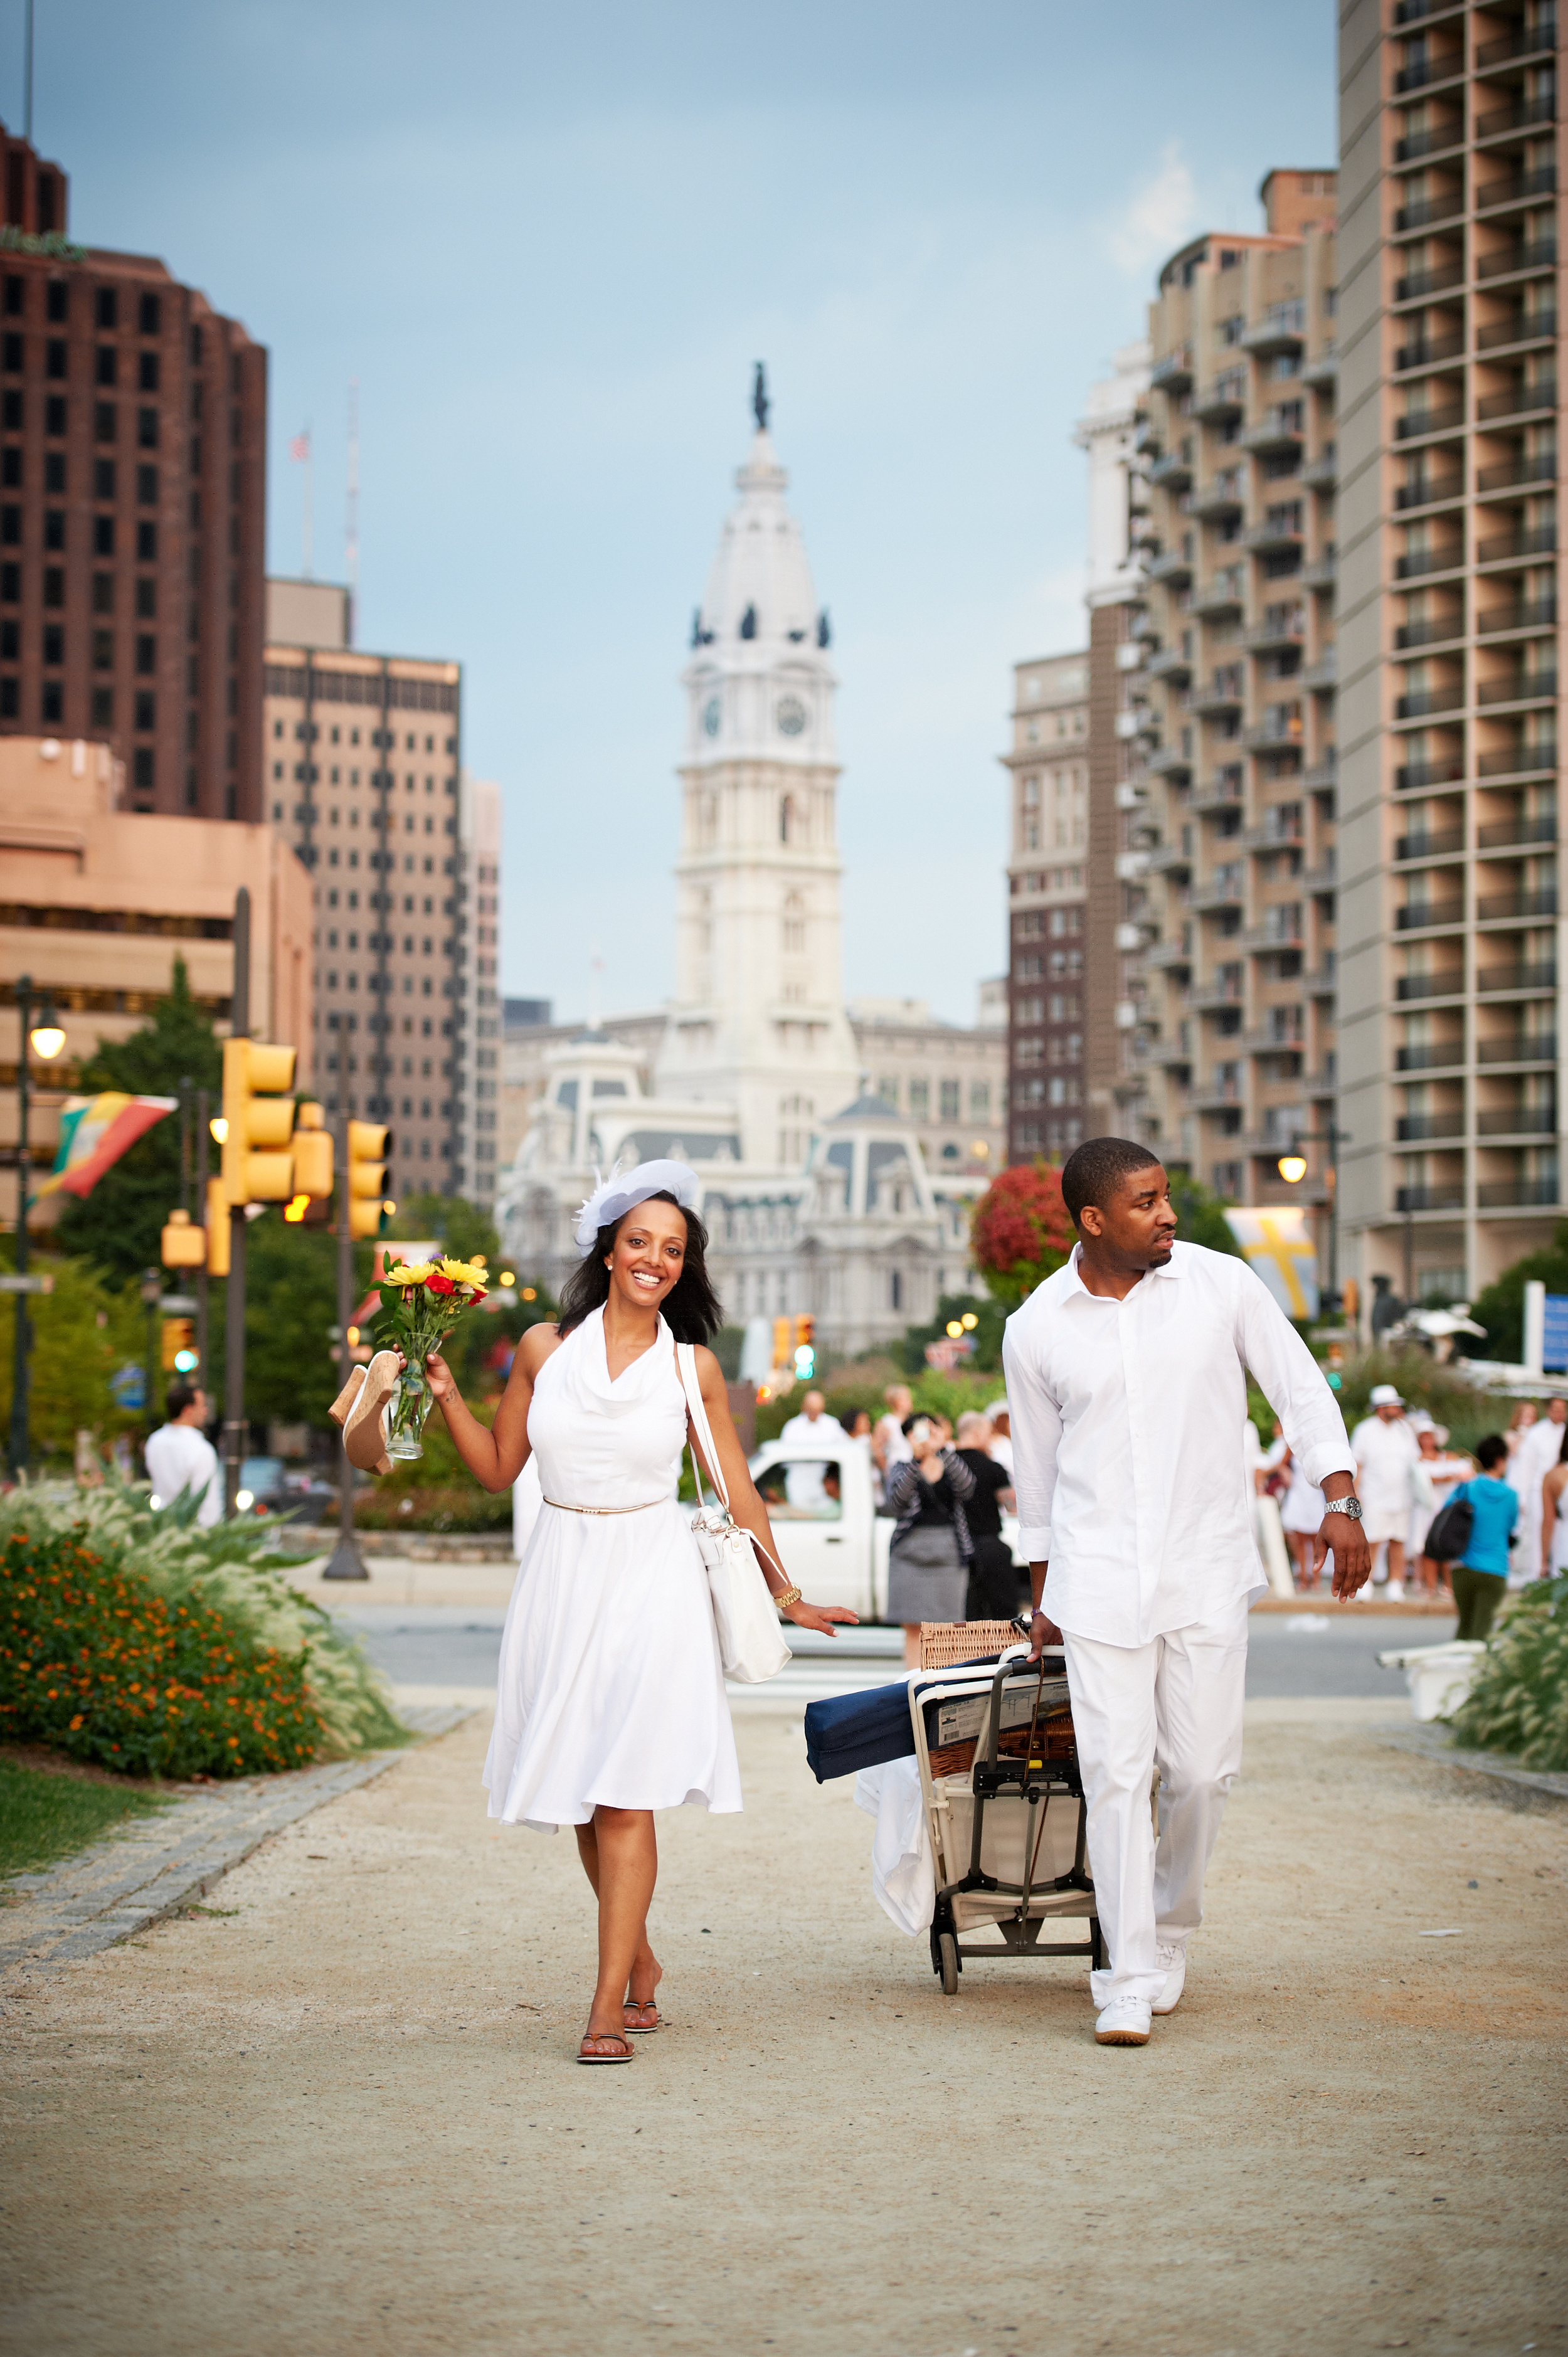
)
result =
(412, 1402)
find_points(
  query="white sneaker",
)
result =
(1394, 1591)
(1172, 1961)
(1124, 2022)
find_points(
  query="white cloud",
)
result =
(1156, 217)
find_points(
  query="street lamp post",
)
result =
(1291, 1168)
(45, 1040)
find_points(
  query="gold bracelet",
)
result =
(786, 1597)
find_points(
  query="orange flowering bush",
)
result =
(1021, 1231)
(96, 1661)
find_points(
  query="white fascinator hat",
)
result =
(613, 1197)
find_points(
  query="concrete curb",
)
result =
(129, 1880)
(1518, 1783)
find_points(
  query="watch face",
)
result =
(791, 716)
(713, 714)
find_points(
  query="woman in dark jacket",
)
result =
(930, 1547)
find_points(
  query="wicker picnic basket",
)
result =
(945, 1642)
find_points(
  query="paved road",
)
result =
(1308, 1653)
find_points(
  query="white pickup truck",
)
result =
(832, 1540)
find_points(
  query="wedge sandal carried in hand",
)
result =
(365, 1427)
(338, 1411)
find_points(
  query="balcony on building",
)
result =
(1170, 859)
(1517, 617)
(1219, 598)
(1280, 430)
(1322, 573)
(1281, 729)
(1171, 761)
(1434, 838)
(1422, 351)
(1528, 1187)
(1420, 285)
(1434, 1195)
(1522, 398)
(1282, 328)
(1284, 625)
(1436, 981)
(1221, 500)
(1520, 329)
(1444, 627)
(1173, 665)
(1322, 473)
(1522, 541)
(1173, 373)
(1223, 792)
(1169, 957)
(1320, 372)
(1173, 569)
(1506, 1042)
(1536, 975)
(1518, 829)
(1530, 43)
(1219, 1093)
(1222, 697)
(1517, 1116)
(1440, 1055)
(1223, 889)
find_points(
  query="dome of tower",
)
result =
(759, 584)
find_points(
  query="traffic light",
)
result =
(179, 1345)
(312, 1153)
(217, 1228)
(783, 1338)
(182, 1245)
(805, 1348)
(258, 1114)
(370, 1143)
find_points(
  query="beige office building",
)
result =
(363, 778)
(1048, 766)
(1450, 968)
(1229, 867)
(99, 901)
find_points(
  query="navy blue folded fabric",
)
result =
(847, 1732)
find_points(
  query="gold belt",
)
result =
(562, 1508)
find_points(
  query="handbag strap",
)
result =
(686, 1361)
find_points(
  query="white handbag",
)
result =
(751, 1640)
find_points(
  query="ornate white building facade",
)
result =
(817, 1195)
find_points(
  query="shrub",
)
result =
(1519, 1702)
(1021, 1231)
(161, 1640)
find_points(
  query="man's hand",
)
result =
(1352, 1555)
(1042, 1632)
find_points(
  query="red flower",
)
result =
(439, 1285)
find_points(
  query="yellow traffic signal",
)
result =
(183, 1245)
(258, 1159)
(370, 1143)
(179, 1342)
(312, 1153)
(217, 1228)
(783, 1341)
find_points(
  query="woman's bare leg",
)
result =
(646, 1972)
(621, 1859)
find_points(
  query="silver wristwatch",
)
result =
(1350, 1505)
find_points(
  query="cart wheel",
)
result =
(948, 1949)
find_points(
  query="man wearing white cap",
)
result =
(1387, 1454)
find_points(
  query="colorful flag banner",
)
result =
(1280, 1250)
(94, 1132)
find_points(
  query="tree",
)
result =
(1021, 1231)
(1200, 1214)
(461, 1228)
(1499, 1306)
(118, 1226)
(986, 1334)
(82, 1333)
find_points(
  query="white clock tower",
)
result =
(758, 1023)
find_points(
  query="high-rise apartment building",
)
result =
(1048, 764)
(1448, 459)
(133, 493)
(1110, 432)
(1229, 865)
(363, 778)
(479, 896)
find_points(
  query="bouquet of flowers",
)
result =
(420, 1306)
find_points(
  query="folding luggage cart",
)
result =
(1003, 1799)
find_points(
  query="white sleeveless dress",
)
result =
(610, 1688)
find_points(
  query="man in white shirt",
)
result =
(1387, 1453)
(180, 1456)
(803, 1483)
(1125, 1378)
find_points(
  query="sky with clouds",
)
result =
(551, 243)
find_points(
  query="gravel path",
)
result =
(346, 2115)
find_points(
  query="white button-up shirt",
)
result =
(1127, 1439)
(180, 1457)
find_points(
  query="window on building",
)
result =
(951, 1099)
(920, 1099)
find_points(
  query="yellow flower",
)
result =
(461, 1273)
(405, 1276)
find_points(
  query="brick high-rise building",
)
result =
(1451, 975)
(133, 489)
(1046, 868)
(1234, 705)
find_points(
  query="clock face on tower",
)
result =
(713, 714)
(790, 714)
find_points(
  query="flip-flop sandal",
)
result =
(604, 2037)
(364, 1431)
(338, 1411)
(642, 2028)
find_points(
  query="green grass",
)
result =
(44, 1818)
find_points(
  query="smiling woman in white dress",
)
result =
(611, 1696)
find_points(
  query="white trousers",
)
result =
(1174, 1705)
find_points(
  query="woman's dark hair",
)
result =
(1491, 1451)
(690, 1308)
